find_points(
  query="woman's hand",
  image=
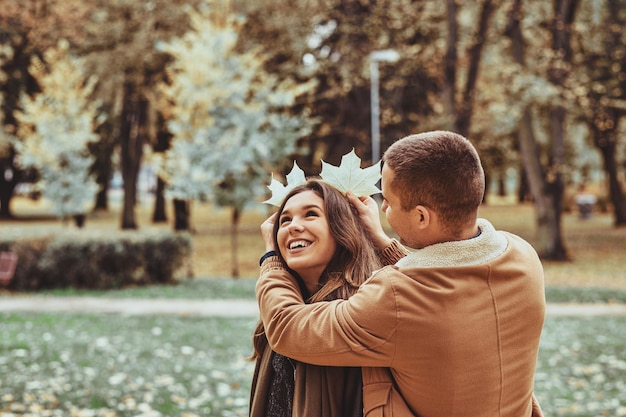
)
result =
(267, 231)
(369, 213)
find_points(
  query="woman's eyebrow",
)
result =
(312, 206)
(307, 207)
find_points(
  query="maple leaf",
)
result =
(349, 176)
(279, 191)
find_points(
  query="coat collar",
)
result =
(485, 247)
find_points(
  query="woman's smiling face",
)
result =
(304, 238)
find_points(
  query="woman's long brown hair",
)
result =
(353, 262)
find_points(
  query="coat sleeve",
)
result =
(360, 331)
(393, 253)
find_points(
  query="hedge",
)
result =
(97, 260)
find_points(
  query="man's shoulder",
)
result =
(517, 242)
(388, 278)
(388, 271)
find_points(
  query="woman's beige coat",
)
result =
(458, 324)
(319, 391)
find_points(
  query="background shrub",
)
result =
(95, 260)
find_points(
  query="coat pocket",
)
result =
(380, 399)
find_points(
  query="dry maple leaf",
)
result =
(279, 191)
(349, 176)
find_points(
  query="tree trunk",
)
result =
(234, 242)
(103, 165)
(564, 11)
(131, 139)
(159, 215)
(555, 187)
(501, 184)
(546, 218)
(8, 181)
(103, 179)
(102, 198)
(606, 142)
(449, 85)
(6, 194)
(522, 191)
(465, 109)
(79, 220)
(163, 140)
(181, 215)
(546, 189)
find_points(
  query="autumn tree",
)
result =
(458, 96)
(546, 178)
(564, 13)
(457, 37)
(117, 40)
(55, 127)
(501, 90)
(334, 41)
(129, 66)
(227, 117)
(28, 29)
(600, 87)
(548, 231)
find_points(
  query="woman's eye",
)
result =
(284, 220)
(312, 213)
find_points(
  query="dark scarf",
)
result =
(280, 398)
(319, 391)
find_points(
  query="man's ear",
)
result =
(423, 215)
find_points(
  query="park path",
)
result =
(131, 306)
(216, 308)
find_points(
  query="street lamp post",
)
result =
(387, 55)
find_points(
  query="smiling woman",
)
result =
(304, 238)
(321, 239)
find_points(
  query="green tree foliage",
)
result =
(120, 49)
(56, 126)
(28, 29)
(226, 116)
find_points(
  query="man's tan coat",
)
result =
(458, 325)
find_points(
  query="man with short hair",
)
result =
(457, 321)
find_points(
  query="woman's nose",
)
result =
(384, 206)
(295, 225)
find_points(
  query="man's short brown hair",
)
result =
(440, 170)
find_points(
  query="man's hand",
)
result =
(267, 231)
(369, 214)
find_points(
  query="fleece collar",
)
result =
(485, 247)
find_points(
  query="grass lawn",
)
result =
(130, 366)
(582, 367)
(113, 365)
(83, 365)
